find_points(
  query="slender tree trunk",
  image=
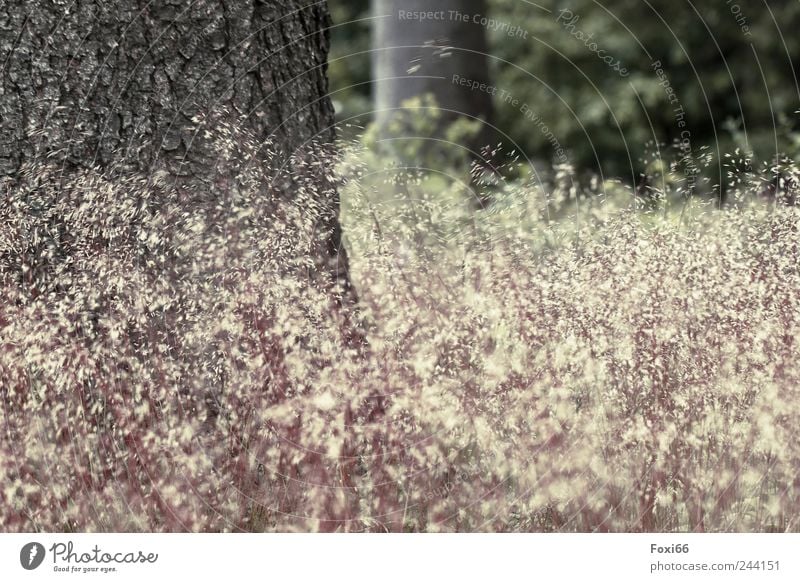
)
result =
(414, 56)
(119, 85)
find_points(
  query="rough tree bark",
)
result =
(413, 57)
(116, 84)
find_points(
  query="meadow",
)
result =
(574, 357)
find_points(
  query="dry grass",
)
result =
(166, 365)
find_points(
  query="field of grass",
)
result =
(565, 360)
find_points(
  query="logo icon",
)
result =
(31, 556)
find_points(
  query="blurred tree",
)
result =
(423, 48)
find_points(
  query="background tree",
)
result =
(412, 57)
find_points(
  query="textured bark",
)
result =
(116, 84)
(402, 44)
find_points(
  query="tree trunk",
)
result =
(120, 84)
(414, 56)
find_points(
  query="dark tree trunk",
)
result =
(118, 84)
(413, 57)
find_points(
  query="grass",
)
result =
(560, 362)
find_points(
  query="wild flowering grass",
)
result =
(167, 363)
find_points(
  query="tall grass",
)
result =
(168, 363)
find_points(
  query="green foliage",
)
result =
(730, 67)
(713, 65)
(349, 59)
(418, 135)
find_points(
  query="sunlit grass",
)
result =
(567, 360)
